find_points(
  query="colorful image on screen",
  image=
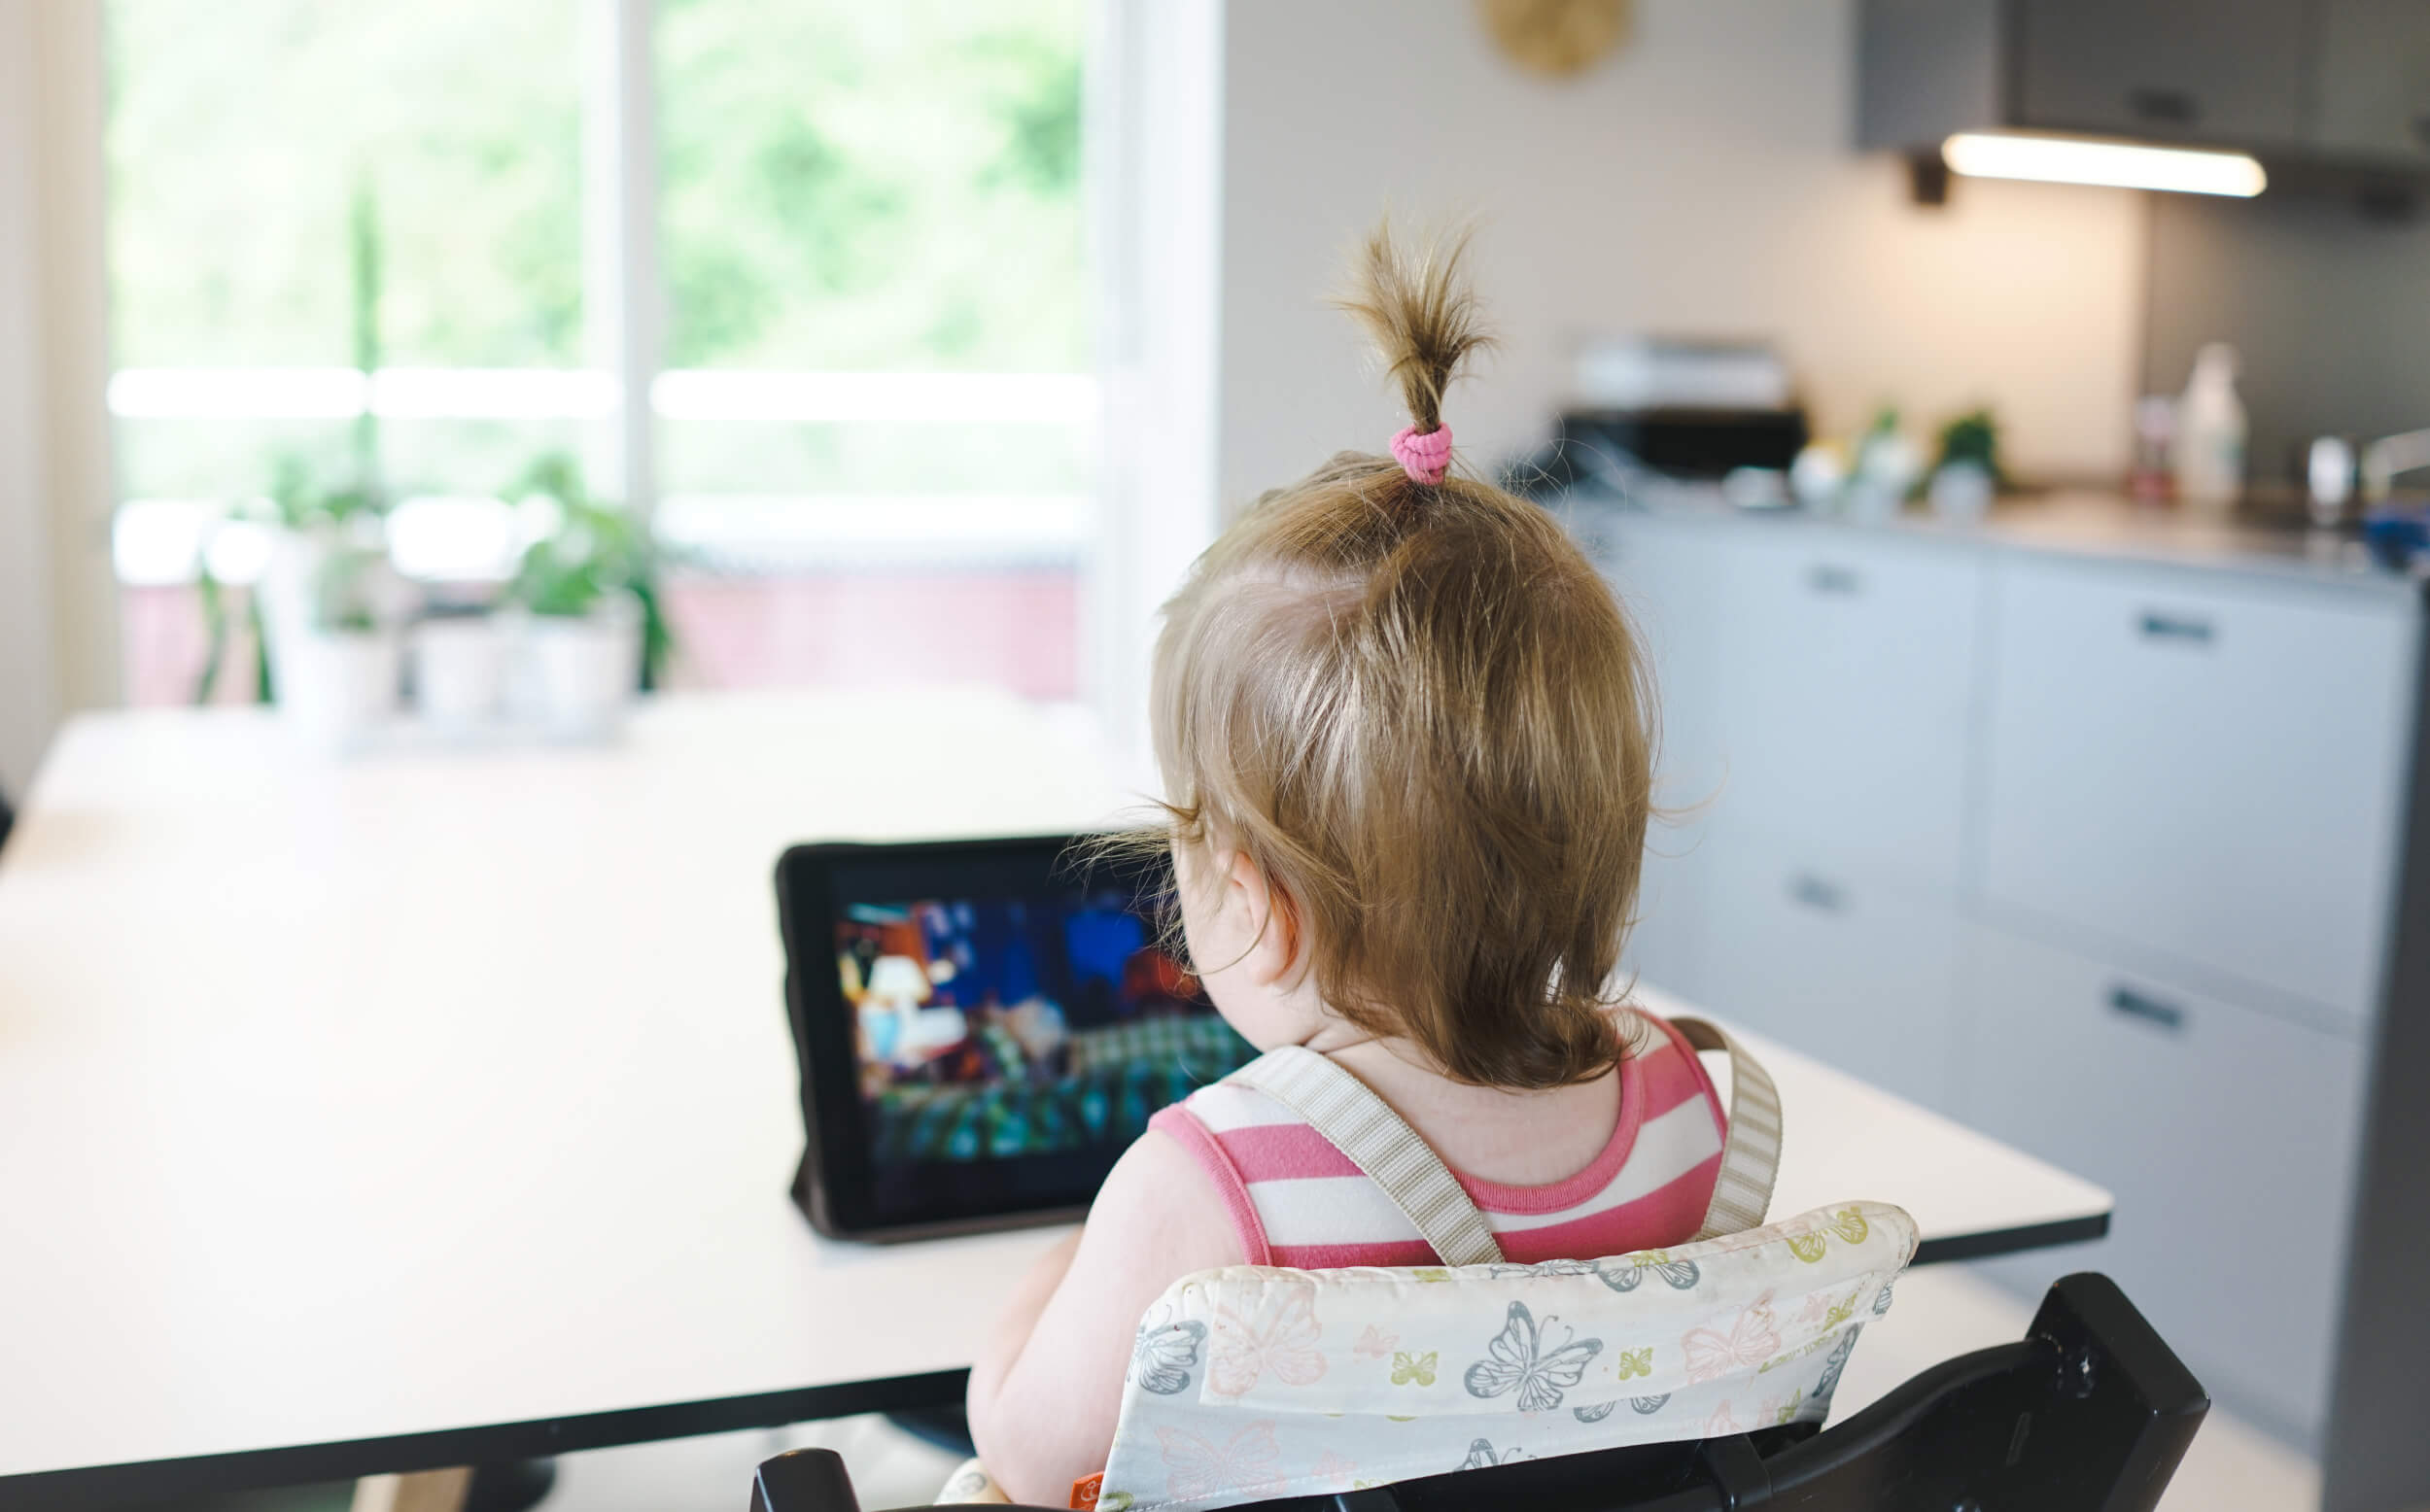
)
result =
(997, 1029)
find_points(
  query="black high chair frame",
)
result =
(2090, 1412)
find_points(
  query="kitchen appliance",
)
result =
(1681, 443)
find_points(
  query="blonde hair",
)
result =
(1419, 713)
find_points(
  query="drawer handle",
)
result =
(2178, 628)
(2167, 107)
(1826, 579)
(1816, 893)
(2151, 1011)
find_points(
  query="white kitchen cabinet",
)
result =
(1847, 670)
(2204, 770)
(1665, 948)
(2227, 1136)
(1671, 576)
(2095, 854)
(1674, 579)
(1815, 688)
(1857, 974)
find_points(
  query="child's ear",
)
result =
(1270, 915)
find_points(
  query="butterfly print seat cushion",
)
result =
(1258, 1381)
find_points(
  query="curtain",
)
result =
(58, 593)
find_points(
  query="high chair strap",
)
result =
(1364, 1127)
(1751, 1152)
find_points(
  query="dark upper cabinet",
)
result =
(2228, 71)
(2333, 84)
(2372, 86)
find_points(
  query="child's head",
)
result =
(1406, 733)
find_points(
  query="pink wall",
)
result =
(1018, 630)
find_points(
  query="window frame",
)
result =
(1153, 201)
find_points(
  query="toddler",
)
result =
(1407, 738)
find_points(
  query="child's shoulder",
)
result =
(1221, 1107)
(1233, 1136)
(1165, 1198)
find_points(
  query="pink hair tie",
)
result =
(1424, 458)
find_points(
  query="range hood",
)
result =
(2202, 96)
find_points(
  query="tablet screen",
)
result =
(1012, 1027)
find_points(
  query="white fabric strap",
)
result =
(1364, 1127)
(1751, 1152)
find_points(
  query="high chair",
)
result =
(1703, 1372)
(2090, 1411)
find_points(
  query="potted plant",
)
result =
(337, 669)
(459, 668)
(327, 539)
(320, 540)
(1967, 474)
(594, 632)
(326, 572)
(1886, 468)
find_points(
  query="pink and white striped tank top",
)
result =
(1295, 1200)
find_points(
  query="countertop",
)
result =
(2072, 523)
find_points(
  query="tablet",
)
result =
(983, 1027)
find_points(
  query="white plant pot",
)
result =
(584, 669)
(283, 595)
(1962, 491)
(1887, 468)
(287, 591)
(460, 672)
(334, 689)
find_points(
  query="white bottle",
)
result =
(2210, 434)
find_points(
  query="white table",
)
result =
(435, 1108)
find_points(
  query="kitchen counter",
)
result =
(2076, 523)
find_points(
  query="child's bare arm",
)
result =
(1020, 1317)
(1044, 1396)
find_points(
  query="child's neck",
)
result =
(1517, 1138)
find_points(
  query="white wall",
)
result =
(1699, 183)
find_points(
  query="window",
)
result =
(863, 306)
(878, 401)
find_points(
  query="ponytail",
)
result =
(1422, 318)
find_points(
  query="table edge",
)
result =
(145, 1481)
(152, 1480)
(1992, 1242)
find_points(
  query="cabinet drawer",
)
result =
(1846, 674)
(2227, 1135)
(1665, 947)
(2211, 774)
(1668, 574)
(1853, 974)
(1672, 578)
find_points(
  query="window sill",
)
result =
(160, 543)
